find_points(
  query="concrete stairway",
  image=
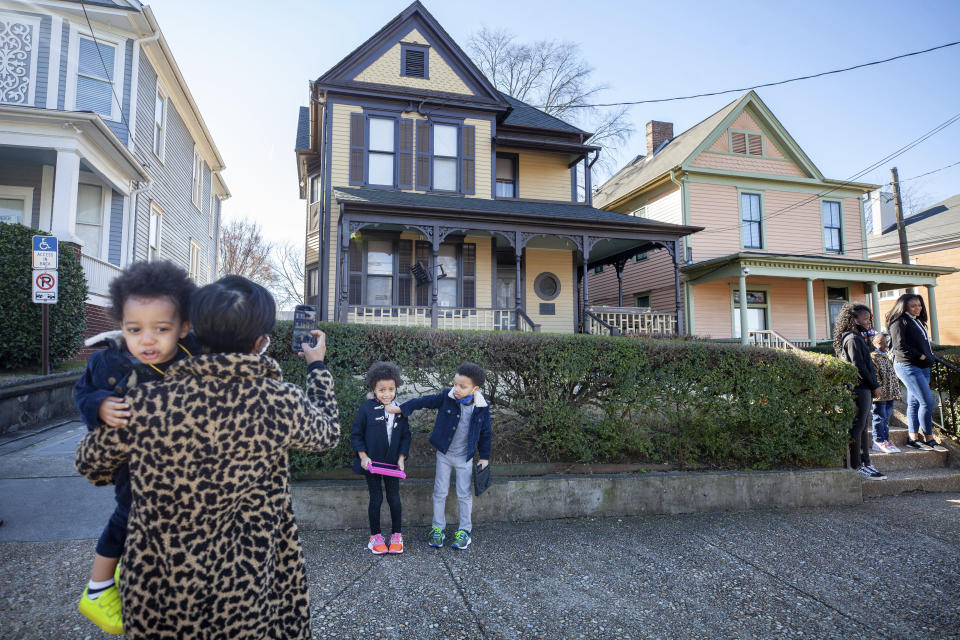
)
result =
(910, 470)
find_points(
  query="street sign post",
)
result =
(45, 288)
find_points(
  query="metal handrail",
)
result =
(949, 382)
(523, 315)
(613, 331)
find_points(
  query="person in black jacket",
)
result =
(854, 322)
(912, 359)
(379, 436)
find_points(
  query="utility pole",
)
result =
(901, 228)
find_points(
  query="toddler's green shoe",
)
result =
(436, 537)
(104, 611)
(461, 540)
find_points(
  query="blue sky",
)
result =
(248, 68)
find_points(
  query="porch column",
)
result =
(744, 329)
(344, 261)
(586, 259)
(811, 314)
(875, 304)
(676, 286)
(63, 223)
(518, 256)
(619, 265)
(434, 287)
(932, 308)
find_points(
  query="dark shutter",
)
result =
(404, 278)
(424, 251)
(423, 155)
(738, 142)
(355, 296)
(357, 147)
(468, 159)
(469, 253)
(405, 155)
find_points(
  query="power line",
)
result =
(768, 84)
(928, 172)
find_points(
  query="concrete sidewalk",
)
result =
(886, 569)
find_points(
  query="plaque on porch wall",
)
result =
(548, 309)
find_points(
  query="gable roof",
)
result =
(938, 223)
(303, 129)
(416, 17)
(522, 114)
(689, 144)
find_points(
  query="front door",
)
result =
(836, 298)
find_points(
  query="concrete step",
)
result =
(897, 482)
(908, 459)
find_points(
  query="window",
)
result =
(90, 218)
(197, 177)
(750, 220)
(598, 269)
(832, 230)
(156, 223)
(16, 205)
(315, 189)
(641, 212)
(642, 300)
(96, 67)
(547, 286)
(750, 144)
(757, 307)
(379, 272)
(381, 156)
(507, 175)
(194, 270)
(892, 294)
(313, 282)
(414, 62)
(836, 298)
(159, 123)
(640, 257)
(444, 157)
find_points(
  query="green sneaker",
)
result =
(461, 540)
(436, 537)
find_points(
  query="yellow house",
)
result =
(782, 247)
(435, 200)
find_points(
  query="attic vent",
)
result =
(750, 144)
(414, 63)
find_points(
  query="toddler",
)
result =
(889, 393)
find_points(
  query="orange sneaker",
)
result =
(396, 543)
(377, 544)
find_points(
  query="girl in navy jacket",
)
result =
(379, 436)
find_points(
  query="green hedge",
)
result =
(578, 398)
(20, 341)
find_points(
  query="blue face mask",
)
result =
(466, 399)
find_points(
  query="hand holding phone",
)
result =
(304, 322)
(317, 350)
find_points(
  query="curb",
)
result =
(343, 504)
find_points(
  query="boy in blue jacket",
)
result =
(379, 436)
(151, 300)
(462, 427)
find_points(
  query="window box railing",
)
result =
(630, 321)
(98, 274)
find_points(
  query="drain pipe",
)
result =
(135, 203)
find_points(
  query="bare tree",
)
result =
(244, 252)
(553, 76)
(289, 275)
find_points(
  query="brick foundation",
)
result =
(98, 321)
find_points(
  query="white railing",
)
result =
(633, 321)
(771, 339)
(98, 274)
(447, 317)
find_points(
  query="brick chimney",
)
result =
(657, 132)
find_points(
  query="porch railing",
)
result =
(98, 274)
(630, 321)
(483, 319)
(598, 326)
(771, 339)
(946, 381)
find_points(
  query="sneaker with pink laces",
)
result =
(377, 544)
(396, 543)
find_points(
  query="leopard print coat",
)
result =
(212, 549)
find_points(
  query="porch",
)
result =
(445, 262)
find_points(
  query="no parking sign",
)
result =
(45, 286)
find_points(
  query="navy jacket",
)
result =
(448, 417)
(369, 433)
(856, 352)
(908, 343)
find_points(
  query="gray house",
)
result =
(102, 144)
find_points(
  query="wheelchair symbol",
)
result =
(44, 245)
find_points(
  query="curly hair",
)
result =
(159, 279)
(472, 371)
(382, 371)
(847, 321)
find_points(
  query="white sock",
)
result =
(95, 588)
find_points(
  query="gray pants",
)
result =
(441, 485)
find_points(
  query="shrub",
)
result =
(580, 398)
(20, 338)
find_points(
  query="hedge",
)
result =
(580, 398)
(20, 340)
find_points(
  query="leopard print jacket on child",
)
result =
(886, 376)
(212, 548)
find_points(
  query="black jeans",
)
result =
(392, 485)
(859, 433)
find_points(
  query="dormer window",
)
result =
(749, 144)
(414, 61)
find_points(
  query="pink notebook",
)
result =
(384, 469)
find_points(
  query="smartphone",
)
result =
(304, 321)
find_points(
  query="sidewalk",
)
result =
(884, 569)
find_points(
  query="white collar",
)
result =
(478, 399)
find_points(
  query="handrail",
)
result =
(522, 314)
(777, 339)
(614, 331)
(947, 383)
(946, 364)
